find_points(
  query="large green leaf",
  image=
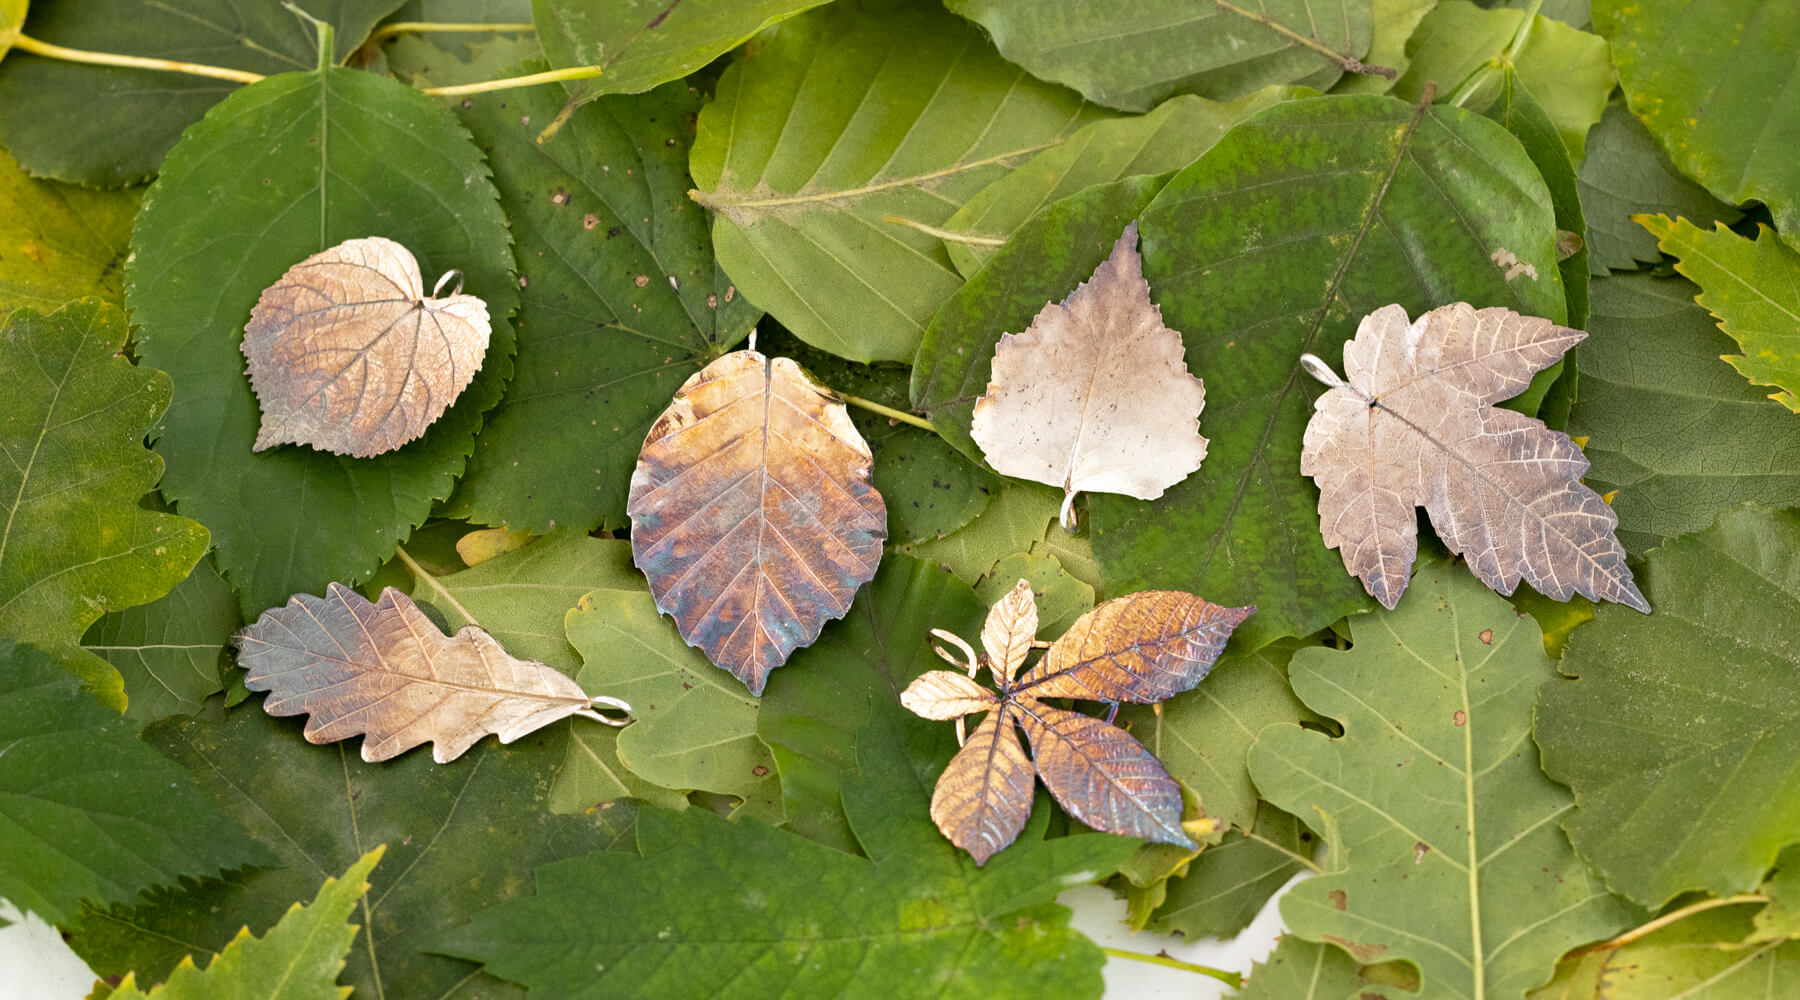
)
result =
(172, 651)
(844, 117)
(1708, 79)
(1301, 970)
(59, 242)
(1450, 851)
(1680, 731)
(74, 543)
(1753, 287)
(280, 170)
(619, 301)
(1702, 957)
(1229, 883)
(1276, 242)
(783, 916)
(1625, 174)
(108, 126)
(298, 959)
(1675, 436)
(1132, 57)
(86, 810)
(459, 837)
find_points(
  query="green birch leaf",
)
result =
(1135, 57)
(1674, 435)
(87, 811)
(317, 158)
(905, 113)
(1739, 54)
(1753, 287)
(171, 652)
(1451, 857)
(1276, 242)
(108, 126)
(1301, 970)
(1393, 23)
(1682, 724)
(298, 959)
(619, 301)
(59, 242)
(1625, 174)
(1228, 884)
(75, 544)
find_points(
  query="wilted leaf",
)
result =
(752, 513)
(1140, 648)
(1094, 395)
(348, 354)
(172, 651)
(384, 671)
(59, 242)
(1626, 173)
(1676, 728)
(1415, 425)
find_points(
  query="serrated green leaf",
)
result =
(172, 651)
(605, 233)
(1301, 970)
(904, 113)
(382, 161)
(1393, 23)
(1134, 60)
(86, 810)
(1275, 242)
(298, 959)
(1451, 855)
(1625, 174)
(75, 544)
(459, 836)
(1753, 287)
(1675, 436)
(441, 58)
(1675, 727)
(59, 242)
(1228, 884)
(1703, 77)
(109, 126)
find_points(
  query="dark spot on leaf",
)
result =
(1420, 849)
(1364, 953)
(760, 770)
(1340, 899)
(1460, 717)
(1487, 637)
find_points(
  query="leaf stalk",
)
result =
(1231, 979)
(511, 82)
(888, 411)
(388, 31)
(26, 43)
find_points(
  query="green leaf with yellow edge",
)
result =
(1450, 856)
(172, 651)
(1753, 287)
(74, 543)
(59, 242)
(1625, 174)
(1677, 726)
(906, 113)
(298, 959)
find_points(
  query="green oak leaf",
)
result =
(1277, 242)
(1061, 598)
(87, 811)
(1228, 884)
(784, 916)
(1450, 856)
(74, 543)
(59, 242)
(459, 836)
(1753, 287)
(1705, 77)
(1686, 723)
(298, 959)
(619, 301)
(905, 114)
(1161, 48)
(1674, 435)
(108, 126)
(1626, 173)
(1393, 24)
(172, 652)
(1299, 969)
(1021, 518)
(315, 158)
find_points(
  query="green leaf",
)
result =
(459, 836)
(1625, 174)
(1780, 919)
(172, 651)
(789, 917)
(1276, 242)
(1300, 970)
(59, 242)
(344, 154)
(1698, 958)
(86, 810)
(604, 233)
(522, 598)
(109, 126)
(442, 58)
(1016, 518)
(12, 16)
(1753, 286)
(906, 113)
(1466, 50)
(1060, 597)
(1133, 59)
(1451, 856)
(74, 543)
(1228, 884)
(1571, 12)
(1680, 731)
(1394, 22)
(298, 959)
(1674, 435)
(1705, 77)
(696, 726)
